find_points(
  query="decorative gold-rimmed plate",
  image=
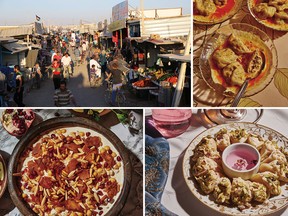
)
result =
(268, 22)
(272, 205)
(221, 14)
(255, 38)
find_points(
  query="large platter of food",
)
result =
(264, 193)
(69, 166)
(271, 13)
(214, 11)
(236, 53)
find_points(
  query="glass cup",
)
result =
(171, 122)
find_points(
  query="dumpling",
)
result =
(277, 3)
(208, 181)
(220, 2)
(276, 155)
(270, 180)
(205, 7)
(240, 193)
(275, 167)
(223, 139)
(281, 16)
(237, 45)
(267, 148)
(204, 164)
(207, 147)
(222, 190)
(259, 192)
(255, 64)
(238, 136)
(224, 57)
(255, 140)
(263, 11)
(234, 74)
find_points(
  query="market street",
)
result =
(85, 95)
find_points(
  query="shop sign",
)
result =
(114, 26)
(120, 11)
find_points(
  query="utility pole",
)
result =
(142, 16)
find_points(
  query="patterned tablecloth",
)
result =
(274, 95)
(133, 142)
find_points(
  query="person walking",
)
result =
(37, 75)
(115, 73)
(18, 96)
(56, 71)
(63, 96)
(77, 54)
(103, 62)
(66, 62)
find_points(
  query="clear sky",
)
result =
(65, 12)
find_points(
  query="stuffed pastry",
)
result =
(267, 148)
(237, 45)
(281, 17)
(223, 139)
(259, 192)
(234, 74)
(240, 193)
(275, 155)
(270, 180)
(264, 11)
(208, 181)
(224, 57)
(204, 164)
(222, 190)
(238, 136)
(205, 7)
(207, 147)
(255, 64)
(275, 167)
(255, 140)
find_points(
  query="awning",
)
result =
(14, 47)
(158, 42)
(176, 57)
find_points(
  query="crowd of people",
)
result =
(67, 54)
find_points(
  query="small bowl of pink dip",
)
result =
(240, 160)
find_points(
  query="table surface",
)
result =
(177, 197)
(271, 96)
(134, 142)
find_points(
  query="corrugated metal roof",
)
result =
(15, 47)
(167, 27)
(18, 31)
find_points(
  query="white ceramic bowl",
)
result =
(240, 160)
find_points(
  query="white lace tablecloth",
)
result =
(176, 196)
(133, 142)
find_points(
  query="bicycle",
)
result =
(120, 96)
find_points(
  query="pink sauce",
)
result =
(241, 160)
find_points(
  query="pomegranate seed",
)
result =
(118, 158)
(105, 175)
(98, 166)
(53, 136)
(101, 212)
(88, 134)
(105, 164)
(110, 151)
(100, 193)
(100, 208)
